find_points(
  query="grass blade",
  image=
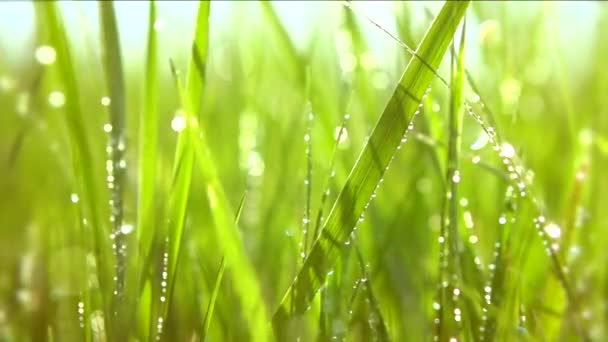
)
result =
(190, 96)
(371, 164)
(212, 300)
(148, 142)
(451, 269)
(146, 189)
(117, 172)
(82, 156)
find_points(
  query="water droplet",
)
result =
(473, 239)
(502, 220)
(105, 101)
(481, 141)
(553, 230)
(45, 54)
(107, 128)
(74, 198)
(307, 137)
(456, 292)
(476, 159)
(343, 135)
(56, 99)
(507, 150)
(126, 228)
(178, 123)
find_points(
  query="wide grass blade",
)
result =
(371, 164)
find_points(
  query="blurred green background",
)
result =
(275, 74)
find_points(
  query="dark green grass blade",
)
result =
(369, 168)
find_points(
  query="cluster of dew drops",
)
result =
(342, 130)
(549, 232)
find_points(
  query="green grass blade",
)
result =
(190, 96)
(146, 189)
(85, 171)
(371, 164)
(451, 271)
(148, 143)
(212, 300)
(117, 173)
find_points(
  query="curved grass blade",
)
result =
(85, 171)
(370, 166)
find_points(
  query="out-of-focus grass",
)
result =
(515, 131)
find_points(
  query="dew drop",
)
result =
(178, 123)
(553, 230)
(107, 128)
(126, 228)
(507, 150)
(45, 55)
(342, 133)
(56, 99)
(74, 198)
(105, 101)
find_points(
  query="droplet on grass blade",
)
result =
(45, 54)
(56, 99)
(74, 197)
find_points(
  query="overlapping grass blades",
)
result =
(371, 164)
(193, 151)
(85, 171)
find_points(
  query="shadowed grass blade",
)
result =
(370, 166)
